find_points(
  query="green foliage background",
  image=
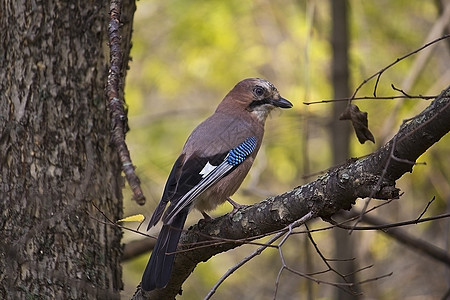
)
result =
(188, 54)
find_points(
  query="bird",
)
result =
(214, 161)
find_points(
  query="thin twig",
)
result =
(401, 91)
(392, 225)
(379, 73)
(324, 259)
(426, 208)
(114, 224)
(258, 251)
(241, 263)
(371, 98)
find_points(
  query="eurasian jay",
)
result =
(215, 160)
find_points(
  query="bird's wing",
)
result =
(199, 173)
(185, 174)
(169, 191)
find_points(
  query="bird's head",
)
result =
(255, 95)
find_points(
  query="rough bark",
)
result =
(372, 176)
(55, 154)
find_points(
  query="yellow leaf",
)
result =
(134, 218)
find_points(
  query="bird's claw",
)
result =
(236, 206)
(206, 216)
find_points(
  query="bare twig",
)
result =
(403, 237)
(258, 251)
(325, 260)
(345, 286)
(241, 263)
(371, 98)
(425, 209)
(114, 224)
(402, 91)
(284, 265)
(379, 73)
(385, 225)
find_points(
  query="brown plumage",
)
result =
(207, 173)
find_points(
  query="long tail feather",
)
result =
(159, 267)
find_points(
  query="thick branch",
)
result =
(138, 247)
(373, 176)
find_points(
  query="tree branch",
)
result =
(137, 247)
(114, 92)
(370, 177)
(403, 237)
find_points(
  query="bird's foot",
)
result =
(236, 206)
(206, 216)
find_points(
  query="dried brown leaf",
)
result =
(359, 121)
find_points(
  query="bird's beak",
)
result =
(282, 103)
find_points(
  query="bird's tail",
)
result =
(159, 267)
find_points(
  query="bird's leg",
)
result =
(236, 205)
(206, 216)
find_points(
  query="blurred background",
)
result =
(187, 55)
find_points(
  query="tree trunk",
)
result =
(56, 162)
(340, 135)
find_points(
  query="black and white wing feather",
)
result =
(207, 176)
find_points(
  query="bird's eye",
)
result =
(259, 91)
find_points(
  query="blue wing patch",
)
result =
(237, 155)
